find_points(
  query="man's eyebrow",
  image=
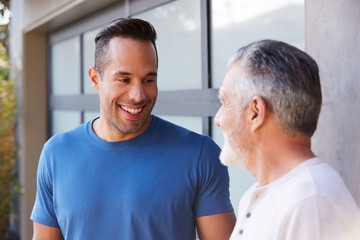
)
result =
(122, 73)
(154, 74)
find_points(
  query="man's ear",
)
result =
(257, 113)
(94, 77)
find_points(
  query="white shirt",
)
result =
(311, 202)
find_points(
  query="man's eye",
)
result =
(149, 80)
(123, 80)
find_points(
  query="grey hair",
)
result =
(286, 78)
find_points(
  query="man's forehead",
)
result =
(229, 82)
(226, 91)
(228, 87)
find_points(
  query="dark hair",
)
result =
(286, 78)
(133, 28)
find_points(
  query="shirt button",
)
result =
(241, 231)
(248, 215)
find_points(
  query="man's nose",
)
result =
(136, 92)
(218, 117)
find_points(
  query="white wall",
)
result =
(333, 39)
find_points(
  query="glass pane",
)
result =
(63, 121)
(89, 115)
(179, 44)
(88, 59)
(192, 123)
(240, 179)
(237, 23)
(65, 67)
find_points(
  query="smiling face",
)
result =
(127, 89)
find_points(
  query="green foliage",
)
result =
(9, 186)
(8, 150)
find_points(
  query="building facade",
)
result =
(52, 48)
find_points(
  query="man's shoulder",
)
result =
(317, 181)
(68, 137)
(171, 129)
(322, 178)
(172, 133)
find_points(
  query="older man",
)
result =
(271, 100)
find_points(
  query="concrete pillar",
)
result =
(33, 122)
(333, 39)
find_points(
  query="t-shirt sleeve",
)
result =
(43, 211)
(213, 182)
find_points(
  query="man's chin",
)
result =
(225, 159)
(229, 157)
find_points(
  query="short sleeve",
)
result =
(213, 182)
(43, 211)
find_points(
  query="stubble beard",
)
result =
(115, 122)
(133, 127)
(130, 128)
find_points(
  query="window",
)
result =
(65, 65)
(70, 61)
(238, 23)
(88, 56)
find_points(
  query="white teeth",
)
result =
(131, 110)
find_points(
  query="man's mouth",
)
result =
(133, 111)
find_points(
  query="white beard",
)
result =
(230, 156)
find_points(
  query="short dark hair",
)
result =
(134, 28)
(286, 78)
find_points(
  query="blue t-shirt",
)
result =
(149, 187)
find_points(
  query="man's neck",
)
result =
(279, 157)
(108, 132)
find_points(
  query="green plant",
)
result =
(8, 151)
(9, 186)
